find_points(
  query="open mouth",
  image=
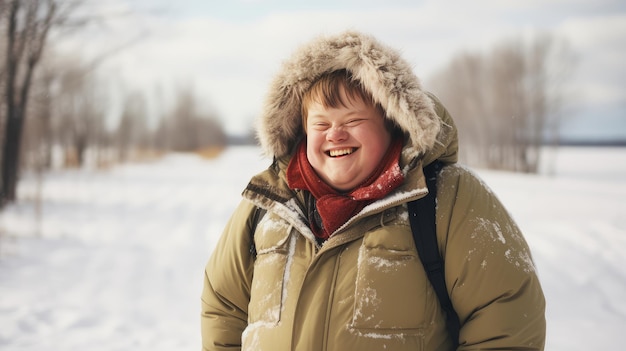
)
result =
(341, 152)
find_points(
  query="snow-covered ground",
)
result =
(114, 260)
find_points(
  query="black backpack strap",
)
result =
(422, 219)
(256, 218)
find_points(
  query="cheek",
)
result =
(313, 146)
(378, 143)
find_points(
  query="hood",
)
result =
(381, 71)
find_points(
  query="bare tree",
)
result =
(41, 114)
(506, 101)
(26, 36)
(132, 131)
(79, 105)
(28, 24)
(186, 128)
(468, 71)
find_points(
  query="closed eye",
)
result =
(354, 122)
(320, 126)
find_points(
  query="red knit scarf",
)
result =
(336, 208)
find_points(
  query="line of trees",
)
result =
(56, 105)
(72, 110)
(507, 102)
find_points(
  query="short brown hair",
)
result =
(326, 90)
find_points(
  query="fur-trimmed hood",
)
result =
(381, 71)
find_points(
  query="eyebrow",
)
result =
(351, 111)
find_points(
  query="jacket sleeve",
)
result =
(490, 274)
(227, 281)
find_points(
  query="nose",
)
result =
(336, 134)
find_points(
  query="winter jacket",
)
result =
(365, 287)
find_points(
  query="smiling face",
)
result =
(345, 142)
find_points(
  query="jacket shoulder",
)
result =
(490, 273)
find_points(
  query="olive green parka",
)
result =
(365, 287)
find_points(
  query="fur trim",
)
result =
(380, 69)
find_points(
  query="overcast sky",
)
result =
(229, 50)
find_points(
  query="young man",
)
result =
(334, 265)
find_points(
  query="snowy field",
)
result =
(114, 260)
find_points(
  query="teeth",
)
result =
(340, 152)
